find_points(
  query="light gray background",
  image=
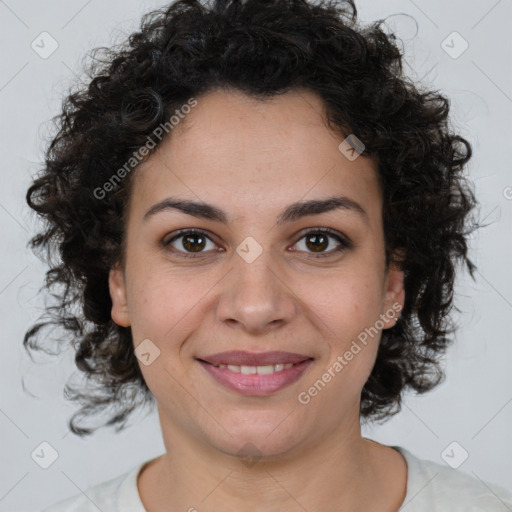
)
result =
(472, 407)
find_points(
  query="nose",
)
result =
(256, 296)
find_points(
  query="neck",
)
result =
(342, 472)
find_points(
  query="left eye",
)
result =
(195, 242)
(319, 240)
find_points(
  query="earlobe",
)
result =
(395, 296)
(117, 287)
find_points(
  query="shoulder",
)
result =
(115, 495)
(437, 487)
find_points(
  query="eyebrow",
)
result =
(291, 213)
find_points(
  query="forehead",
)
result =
(233, 149)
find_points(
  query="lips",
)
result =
(256, 374)
(241, 358)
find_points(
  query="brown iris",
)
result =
(317, 246)
(189, 244)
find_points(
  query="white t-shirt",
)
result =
(431, 487)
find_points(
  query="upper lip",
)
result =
(241, 358)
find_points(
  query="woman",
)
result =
(259, 220)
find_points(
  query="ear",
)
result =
(117, 287)
(394, 296)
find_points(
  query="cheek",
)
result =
(348, 307)
(164, 314)
(346, 303)
(164, 306)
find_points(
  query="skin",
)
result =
(252, 159)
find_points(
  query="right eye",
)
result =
(188, 242)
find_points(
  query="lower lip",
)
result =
(255, 384)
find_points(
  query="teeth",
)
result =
(260, 370)
(264, 370)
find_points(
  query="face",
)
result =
(256, 275)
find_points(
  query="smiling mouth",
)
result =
(268, 369)
(256, 380)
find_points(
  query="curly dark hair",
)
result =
(262, 48)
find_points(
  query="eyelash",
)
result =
(344, 242)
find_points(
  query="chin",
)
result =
(261, 438)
